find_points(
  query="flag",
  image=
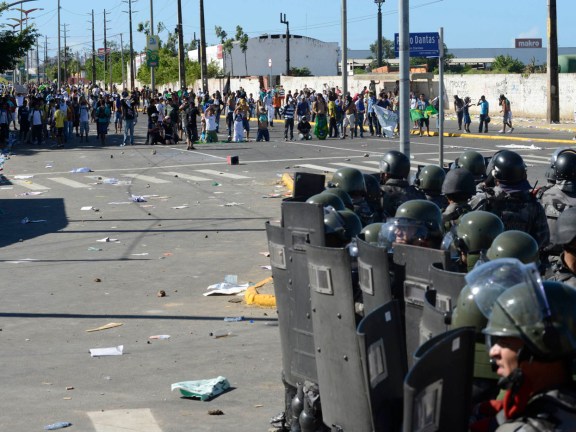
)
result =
(388, 119)
(430, 111)
(416, 114)
(227, 86)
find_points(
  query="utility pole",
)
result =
(93, 52)
(197, 42)
(65, 55)
(105, 51)
(552, 68)
(59, 44)
(379, 54)
(45, 55)
(152, 68)
(344, 48)
(404, 53)
(204, 67)
(122, 60)
(38, 61)
(131, 43)
(283, 20)
(181, 63)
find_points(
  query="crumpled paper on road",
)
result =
(202, 389)
(230, 286)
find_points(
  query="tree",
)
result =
(242, 38)
(303, 71)
(227, 49)
(222, 35)
(387, 49)
(507, 64)
(15, 44)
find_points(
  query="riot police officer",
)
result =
(429, 180)
(564, 270)
(417, 222)
(374, 196)
(473, 162)
(352, 182)
(514, 244)
(474, 235)
(458, 187)
(340, 227)
(511, 199)
(327, 199)
(343, 195)
(394, 171)
(531, 337)
(562, 194)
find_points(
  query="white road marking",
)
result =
(124, 420)
(32, 186)
(185, 176)
(359, 167)
(68, 182)
(145, 178)
(222, 174)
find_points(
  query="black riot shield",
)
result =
(447, 284)
(345, 404)
(437, 390)
(383, 350)
(307, 185)
(373, 275)
(434, 321)
(303, 224)
(412, 277)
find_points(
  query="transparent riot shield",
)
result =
(437, 389)
(373, 275)
(412, 276)
(344, 398)
(383, 351)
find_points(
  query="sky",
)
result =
(466, 23)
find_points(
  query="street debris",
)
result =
(231, 204)
(23, 176)
(31, 193)
(94, 249)
(107, 240)
(520, 147)
(230, 286)
(215, 412)
(159, 337)
(221, 334)
(59, 425)
(105, 327)
(112, 351)
(81, 170)
(202, 389)
(138, 198)
(161, 293)
(88, 208)
(27, 220)
(180, 207)
(234, 319)
(140, 254)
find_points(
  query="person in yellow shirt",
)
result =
(59, 119)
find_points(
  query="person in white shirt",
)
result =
(161, 109)
(84, 119)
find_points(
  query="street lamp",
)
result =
(379, 54)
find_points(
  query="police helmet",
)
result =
(459, 181)
(514, 244)
(327, 199)
(395, 164)
(477, 230)
(342, 225)
(373, 191)
(371, 232)
(565, 165)
(509, 167)
(343, 195)
(430, 179)
(473, 162)
(351, 181)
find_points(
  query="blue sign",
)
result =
(421, 44)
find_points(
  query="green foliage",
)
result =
(14, 45)
(303, 72)
(359, 71)
(387, 49)
(507, 64)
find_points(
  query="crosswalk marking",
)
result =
(29, 185)
(186, 176)
(124, 420)
(145, 178)
(358, 167)
(317, 167)
(68, 182)
(222, 174)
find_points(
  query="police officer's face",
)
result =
(504, 352)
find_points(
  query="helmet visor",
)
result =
(491, 279)
(403, 231)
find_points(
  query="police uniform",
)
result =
(519, 210)
(440, 200)
(451, 216)
(396, 192)
(556, 199)
(562, 273)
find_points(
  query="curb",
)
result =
(498, 137)
(252, 297)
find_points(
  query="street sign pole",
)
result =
(441, 96)
(404, 51)
(270, 73)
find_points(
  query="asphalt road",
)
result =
(202, 220)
